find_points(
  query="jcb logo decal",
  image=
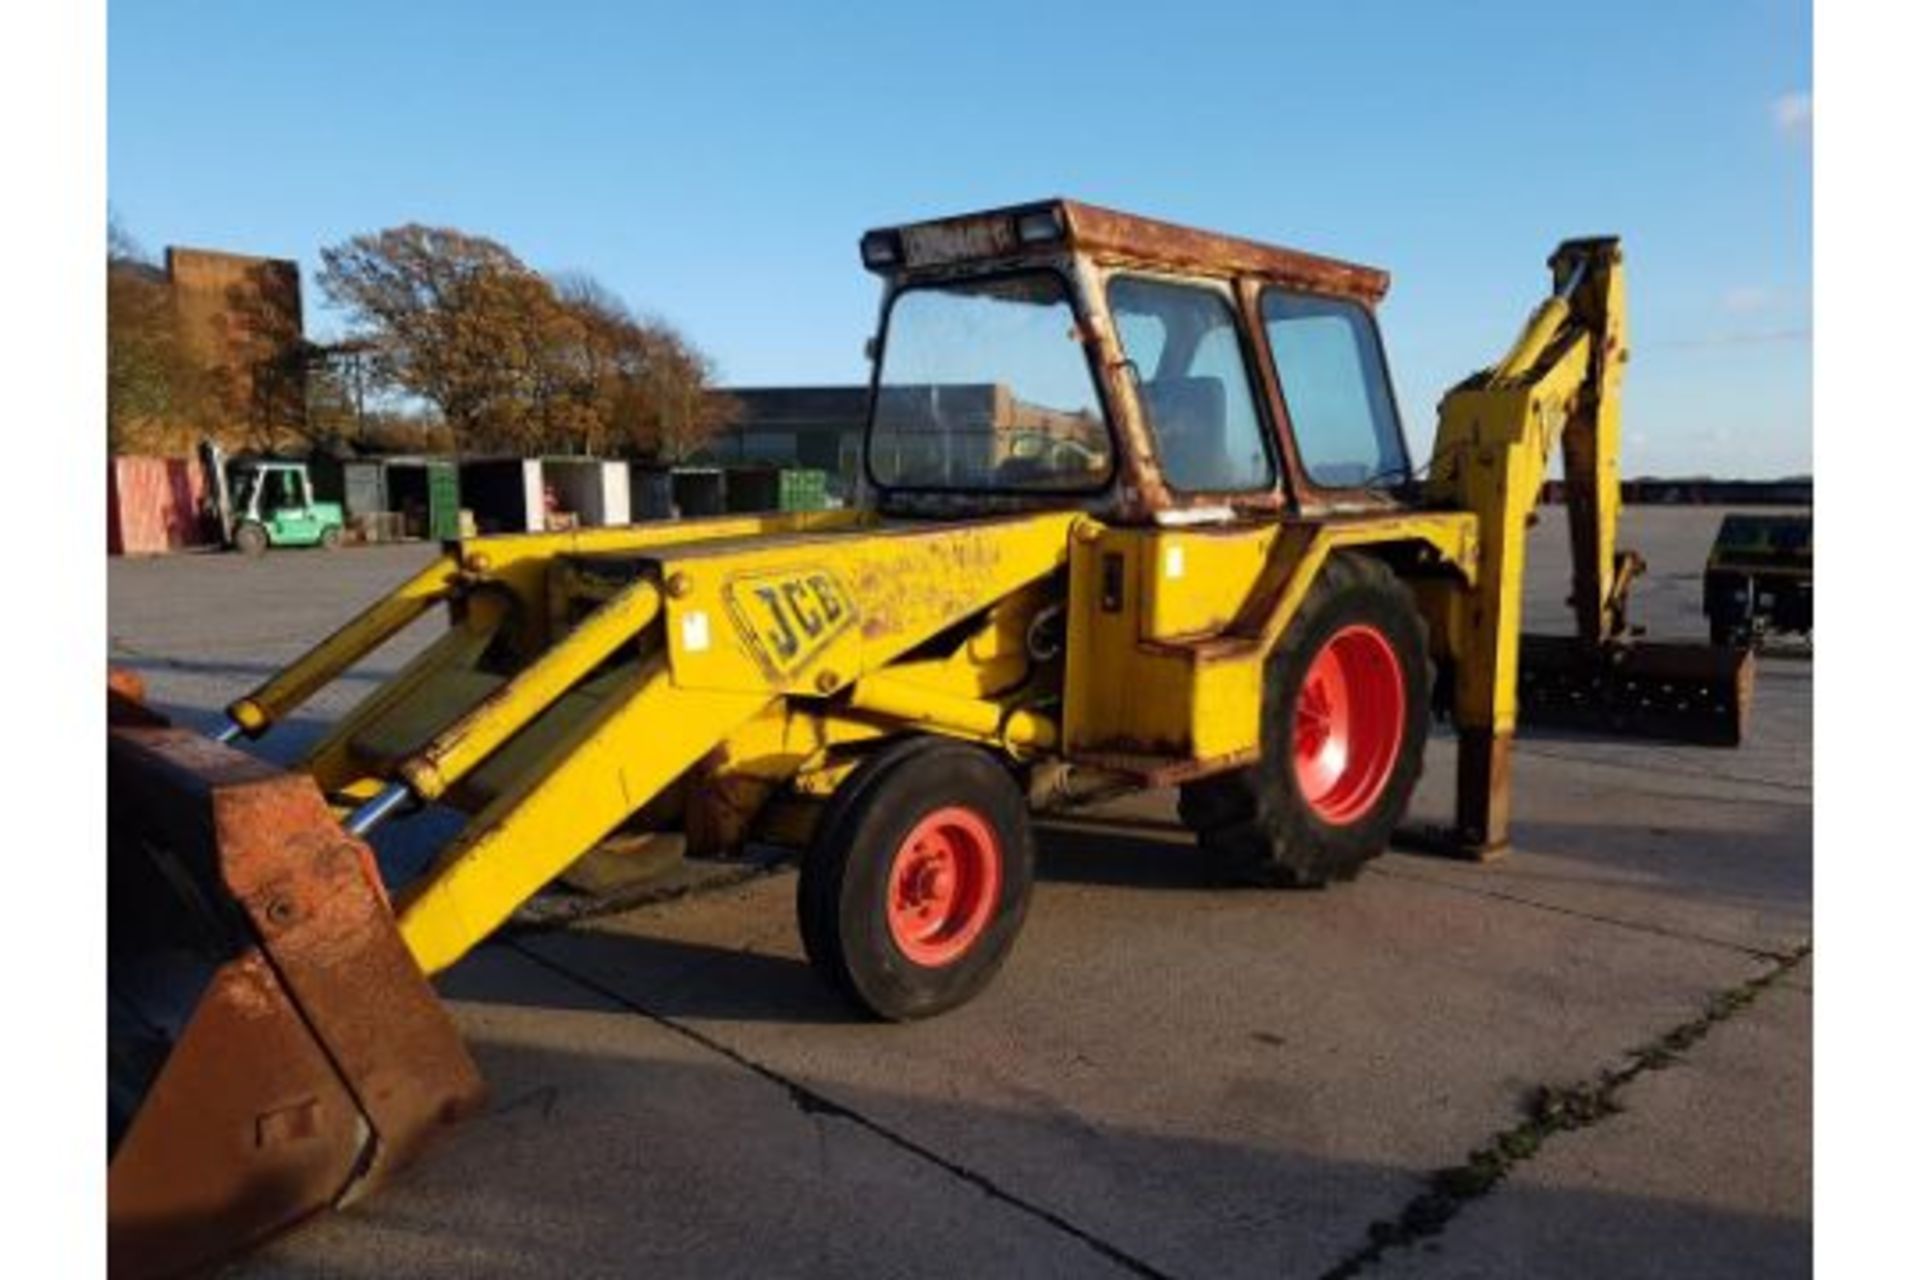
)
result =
(790, 617)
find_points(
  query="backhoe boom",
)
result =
(1557, 389)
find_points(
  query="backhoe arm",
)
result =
(1590, 301)
(1558, 387)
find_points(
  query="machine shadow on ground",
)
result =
(746, 983)
(573, 1139)
(682, 979)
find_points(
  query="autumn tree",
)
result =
(651, 388)
(259, 376)
(512, 362)
(685, 410)
(442, 314)
(156, 391)
(337, 387)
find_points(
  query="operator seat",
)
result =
(1189, 418)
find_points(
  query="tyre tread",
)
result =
(1248, 820)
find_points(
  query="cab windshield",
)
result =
(984, 385)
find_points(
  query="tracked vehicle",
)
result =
(1142, 515)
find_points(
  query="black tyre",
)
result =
(831, 828)
(1344, 734)
(250, 539)
(330, 538)
(917, 879)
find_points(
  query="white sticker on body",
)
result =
(695, 635)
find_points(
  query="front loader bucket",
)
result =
(272, 1047)
(1670, 692)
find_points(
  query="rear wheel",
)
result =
(1344, 730)
(330, 538)
(250, 539)
(917, 880)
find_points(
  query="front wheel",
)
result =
(250, 539)
(917, 880)
(1343, 736)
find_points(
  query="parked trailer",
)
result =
(1759, 577)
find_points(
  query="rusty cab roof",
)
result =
(1023, 231)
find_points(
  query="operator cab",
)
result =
(1058, 353)
(265, 491)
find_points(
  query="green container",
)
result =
(803, 489)
(443, 501)
(751, 489)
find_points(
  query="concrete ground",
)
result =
(1170, 1078)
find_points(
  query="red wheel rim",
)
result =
(944, 885)
(1347, 724)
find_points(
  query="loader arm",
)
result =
(612, 708)
(1558, 388)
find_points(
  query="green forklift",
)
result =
(265, 502)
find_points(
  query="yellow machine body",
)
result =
(589, 675)
(747, 656)
(721, 677)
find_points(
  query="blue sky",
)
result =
(715, 163)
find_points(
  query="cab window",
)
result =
(1333, 379)
(984, 386)
(1193, 384)
(288, 491)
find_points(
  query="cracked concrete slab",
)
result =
(1220, 1083)
(612, 1147)
(1801, 979)
(1708, 1172)
(1669, 843)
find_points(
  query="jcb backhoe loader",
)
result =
(1141, 514)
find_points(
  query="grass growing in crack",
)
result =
(1550, 1109)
